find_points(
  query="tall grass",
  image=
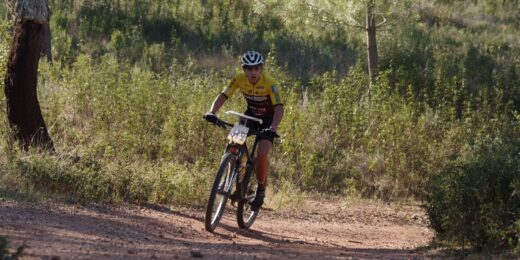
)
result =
(129, 134)
(124, 99)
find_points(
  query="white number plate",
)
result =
(238, 134)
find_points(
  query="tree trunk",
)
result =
(46, 42)
(23, 109)
(371, 42)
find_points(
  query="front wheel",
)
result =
(220, 192)
(247, 190)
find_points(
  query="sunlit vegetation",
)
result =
(131, 80)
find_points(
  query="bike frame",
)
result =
(241, 151)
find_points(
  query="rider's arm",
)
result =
(277, 117)
(278, 105)
(221, 99)
(217, 104)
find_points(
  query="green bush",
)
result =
(4, 250)
(475, 199)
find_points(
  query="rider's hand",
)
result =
(210, 117)
(269, 133)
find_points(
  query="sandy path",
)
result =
(365, 230)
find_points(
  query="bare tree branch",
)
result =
(389, 23)
(351, 22)
(381, 23)
(355, 22)
(263, 2)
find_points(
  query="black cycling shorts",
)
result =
(266, 123)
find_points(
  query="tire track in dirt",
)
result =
(362, 230)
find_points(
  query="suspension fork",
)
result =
(239, 151)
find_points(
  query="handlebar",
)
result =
(223, 124)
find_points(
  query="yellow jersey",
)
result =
(261, 97)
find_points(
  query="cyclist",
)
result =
(262, 94)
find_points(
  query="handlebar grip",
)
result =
(261, 133)
(217, 121)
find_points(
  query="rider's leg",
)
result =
(262, 167)
(262, 161)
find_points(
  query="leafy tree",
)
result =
(366, 15)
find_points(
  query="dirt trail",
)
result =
(327, 230)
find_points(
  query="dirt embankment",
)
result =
(359, 230)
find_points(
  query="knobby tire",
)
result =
(211, 222)
(246, 217)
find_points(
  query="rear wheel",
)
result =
(247, 191)
(220, 191)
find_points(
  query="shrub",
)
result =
(4, 250)
(475, 200)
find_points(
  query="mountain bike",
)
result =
(236, 175)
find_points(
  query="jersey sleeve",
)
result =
(274, 94)
(230, 89)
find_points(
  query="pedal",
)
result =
(223, 193)
(234, 198)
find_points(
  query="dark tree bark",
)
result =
(371, 41)
(46, 42)
(23, 109)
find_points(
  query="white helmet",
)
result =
(251, 58)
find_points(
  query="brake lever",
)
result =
(221, 124)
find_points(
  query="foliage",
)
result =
(286, 196)
(4, 250)
(124, 98)
(475, 198)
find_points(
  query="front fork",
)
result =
(242, 164)
(238, 169)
